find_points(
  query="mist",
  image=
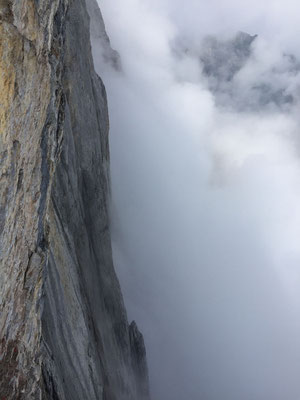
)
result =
(205, 174)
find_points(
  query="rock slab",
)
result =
(64, 332)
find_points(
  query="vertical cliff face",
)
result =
(63, 326)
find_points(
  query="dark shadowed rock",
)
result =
(138, 356)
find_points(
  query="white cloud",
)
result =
(206, 194)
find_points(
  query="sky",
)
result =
(206, 191)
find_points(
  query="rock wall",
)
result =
(64, 332)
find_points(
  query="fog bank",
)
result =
(206, 192)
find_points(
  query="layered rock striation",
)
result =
(64, 332)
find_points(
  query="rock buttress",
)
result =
(64, 332)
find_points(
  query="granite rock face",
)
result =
(64, 332)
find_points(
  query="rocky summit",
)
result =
(64, 332)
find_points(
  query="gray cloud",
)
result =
(206, 193)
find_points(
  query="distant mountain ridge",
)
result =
(223, 63)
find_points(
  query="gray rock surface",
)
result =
(100, 41)
(64, 332)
